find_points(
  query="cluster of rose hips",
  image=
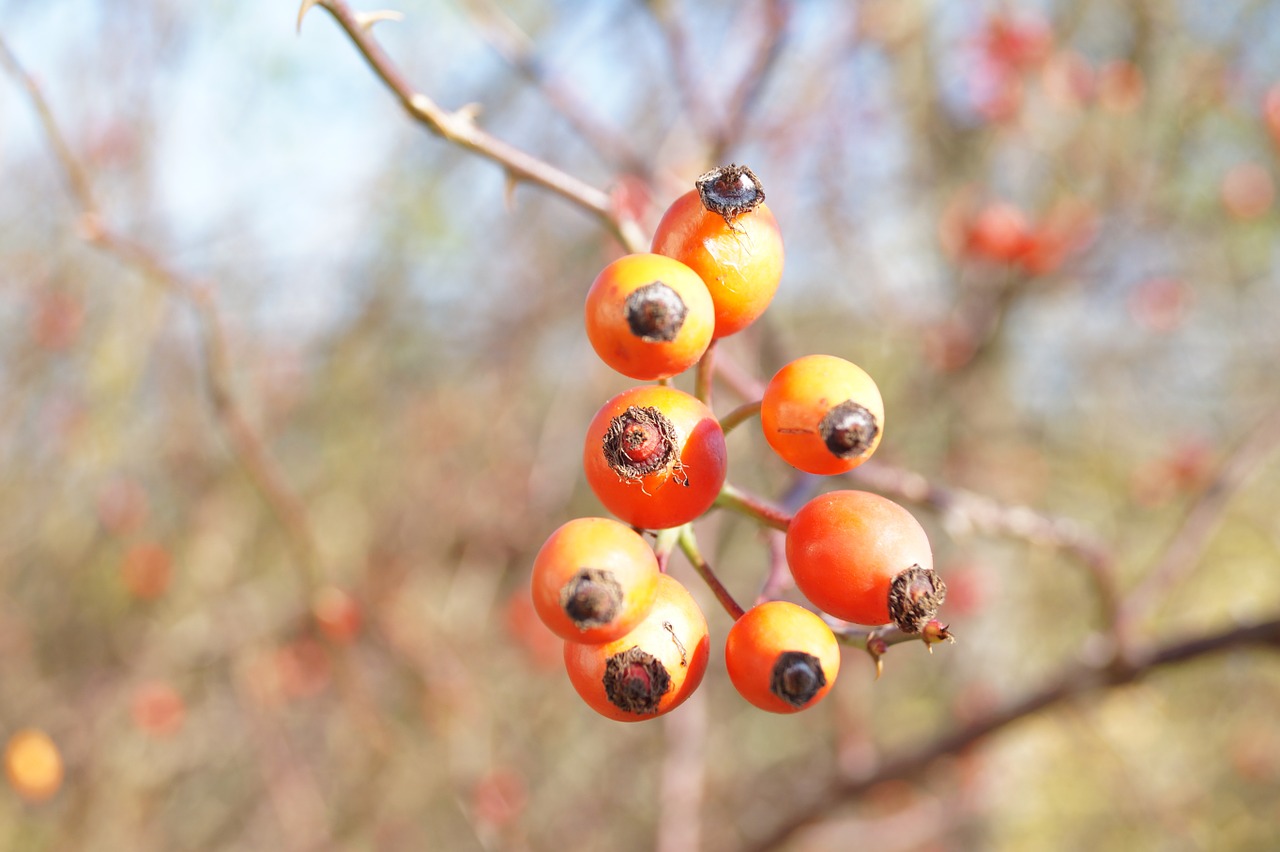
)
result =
(636, 642)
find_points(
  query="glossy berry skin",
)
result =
(651, 670)
(781, 657)
(846, 548)
(649, 316)
(676, 491)
(822, 414)
(594, 580)
(741, 261)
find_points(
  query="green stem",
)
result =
(752, 506)
(740, 414)
(689, 544)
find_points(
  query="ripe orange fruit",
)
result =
(649, 316)
(863, 558)
(593, 580)
(725, 232)
(655, 457)
(34, 765)
(651, 670)
(781, 657)
(822, 414)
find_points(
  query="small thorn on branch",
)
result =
(366, 20)
(306, 7)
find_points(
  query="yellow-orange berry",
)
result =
(822, 414)
(781, 657)
(594, 580)
(649, 316)
(651, 670)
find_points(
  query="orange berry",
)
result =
(651, 670)
(781, 657)
(655, 457)
(147, 570)
(158, 709)
(34, 765)
(649, 316)
(726, 233)
(998, 232)
(337, 614)
(863, 558)
(593, 580)
(822, 414)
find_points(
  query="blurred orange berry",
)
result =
(999, 232)
(1247, 190)
(57, 321)
(1271, 113)
(147, 570)
(1121, 86)
(33, 764)
(1067, 79)
(158, 709)
(337, 614)
(1017, 42)
(499, 797)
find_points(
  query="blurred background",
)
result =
(276, 452)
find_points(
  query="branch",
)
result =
(459, 128)
(1076, 681)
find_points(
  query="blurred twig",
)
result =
(1075, 681)
(246, 444)
(1181, 555)
(459, 127)
(738, 107)
(514, 45)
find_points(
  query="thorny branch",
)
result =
(459, 127)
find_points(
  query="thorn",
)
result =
(468, 112)
(509, 191)
(366, 20)
(877, 647)
(306, 7)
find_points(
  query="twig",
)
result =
(749, 504)
(739, 415)
(702, 375)
(459, 127)
(752, 82)
(689, 544)
(1076, 681)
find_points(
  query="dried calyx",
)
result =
(635, 681)
(655, 313)
(849, 429)
(797, 677)
(730, 191)
(591, 598)
(640, 441)
(914, 598)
